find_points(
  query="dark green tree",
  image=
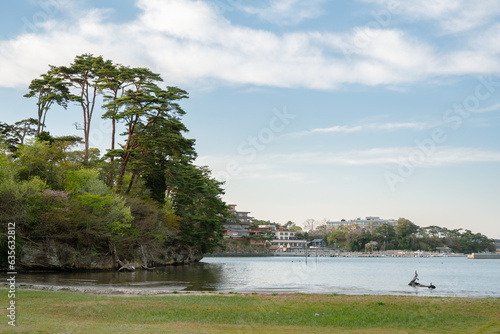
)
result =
(113, 82)
(385, 236)
(161, 143)
(358, 239)
(83, 75)
(48, 89)
(406, 233)
(337, 238)
(148, 111)
(197, 199)
(14, 135)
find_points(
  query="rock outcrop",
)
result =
(58, 255)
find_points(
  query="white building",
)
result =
(286, 241)
(284, 235)
(369, 223)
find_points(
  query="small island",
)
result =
(142, 201)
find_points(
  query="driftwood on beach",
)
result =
(132, 266)
(415, 284)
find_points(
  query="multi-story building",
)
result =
(241, 216)
(285, 241)
(238, 226)
(263, 230)
(369, 223)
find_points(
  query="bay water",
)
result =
(452, 276)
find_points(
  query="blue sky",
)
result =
(307, 109)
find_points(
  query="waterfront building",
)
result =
(238, 226)
(443, 250)
(286, 241)
(288, 245)
(369, 223)
(268, 227)
(235, 231)
(317, 243)
(242, 216)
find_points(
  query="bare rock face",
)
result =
(178, 255)
(62, 256)
(56, 255)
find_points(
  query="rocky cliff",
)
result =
(57, 255)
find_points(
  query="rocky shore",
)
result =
(57, 255)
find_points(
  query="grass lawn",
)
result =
(71, 312)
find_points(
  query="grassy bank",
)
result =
(69, 312)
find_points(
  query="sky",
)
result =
(319, 109)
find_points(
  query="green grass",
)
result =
(68, 312)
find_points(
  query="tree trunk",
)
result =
(112, 158)
(131, 183)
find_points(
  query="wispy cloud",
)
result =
(494, 107)
(287, 12)
(394, 155)
(368, 127)
(337, 128)
(297, 166)
(451, 15)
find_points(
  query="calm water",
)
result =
(388, 276)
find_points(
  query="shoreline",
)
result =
(311, 254)
(143, 292)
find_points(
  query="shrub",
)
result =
(85, 181)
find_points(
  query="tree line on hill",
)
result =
(145, 188)
(404, 236)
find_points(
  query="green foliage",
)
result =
(86, 181)
(161, 143)
(48, 89)
(196, 198)
(55, 191)
(45, 160)
(385, 235)
(105, 214)
(83, 76)
(337, 239)
(358, 239)
(15, 135)
(17, 197)
(408, 236)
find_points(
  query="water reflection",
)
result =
(192, 277)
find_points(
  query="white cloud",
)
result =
(451, 15)
(297, 166)
(393, 155)
(287, 12)
(397, 126)
(337, 128)
(368, 127)
(190, 42)
(493, 107)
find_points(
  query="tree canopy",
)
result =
(408, 236)
(146, 189)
